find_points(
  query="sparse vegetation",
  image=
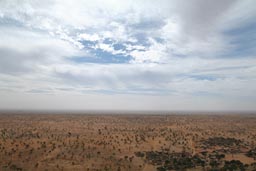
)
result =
(127, 142)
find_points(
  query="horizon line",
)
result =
(115, 111)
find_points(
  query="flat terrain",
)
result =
(51, 142)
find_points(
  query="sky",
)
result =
(128, 55)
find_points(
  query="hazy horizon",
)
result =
(95, 55)
(127, 112)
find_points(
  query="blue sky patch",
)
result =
(88, 44)
(102, 57)
(243, 40)
(119, 46)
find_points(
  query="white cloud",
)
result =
(23, 50)
(177, 50)
(94, 37)
(156, 52)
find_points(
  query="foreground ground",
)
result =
(127, 142)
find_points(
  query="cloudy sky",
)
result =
(128, 55)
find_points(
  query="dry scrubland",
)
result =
(127, 142)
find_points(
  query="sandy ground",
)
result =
(109, 142)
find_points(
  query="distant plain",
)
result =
(132, 141)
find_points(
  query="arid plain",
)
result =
(127, 142)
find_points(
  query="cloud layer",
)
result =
(146, 55)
